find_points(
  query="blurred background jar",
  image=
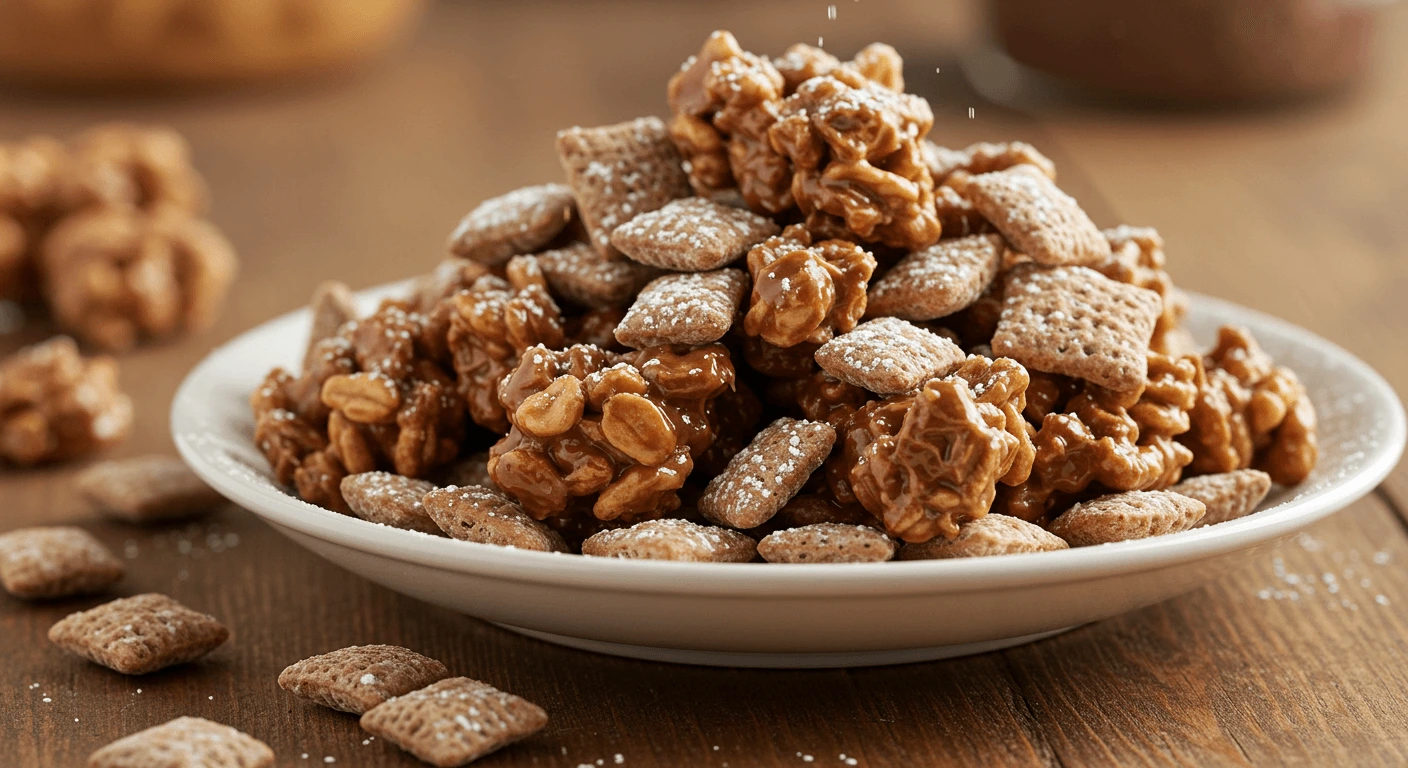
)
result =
(96, 43)
(1211, 51)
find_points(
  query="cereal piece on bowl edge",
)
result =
(521, 221)
(939, 280)
(331, 306)
(59, 561)
(693, 234)
(455, 721)
(693, 308)
(359, 677)
(672, 539)
(991, 534)
(1035, 216)
(888, 356)
(764, 476)
(827, 543)
(1077, 322)
(1126, 516)
(140, 634)
(389, 499)
(581, 275)
(479, 514)
(618, 172)
(1227, 495)
(146, 489)
(186, 742)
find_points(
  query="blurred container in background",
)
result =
(91, 43)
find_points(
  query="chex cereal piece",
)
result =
(521, 221)
(1227, 495)
(694, 308)
(939, 280)
(827, 543)
(618, 172)
(767, 474)
(991, 534)
(1125, 516)
(331, 306)
(471, 470)
(888, 355)
(1034, 215)
(694, 234)
(389, 499)
(810, 509)
(1077, 322)
(58, 561)
(359, 677)
(140, 634)
(475, 513)
(186, 742)
(454, 721)
(146, 489)
(672, 539)
(581, 275)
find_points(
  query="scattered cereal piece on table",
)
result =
(1035, 216)
(140, 634)
(672, 539)
(1227, 495)
(389, 499)
(58, 561)
(186, 742)
(991, 534)
(939, 280)
(146, 489)
(1077, 322)
(888, 355)
(359, 677)
(479, 514)
(331, 306)
(693, 234)
(827, 543)
(521, 221)
(1126, 516)
(455, 721)
(581, 275)
(695, 309)
(767, 474)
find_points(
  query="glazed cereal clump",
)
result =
(785, 325)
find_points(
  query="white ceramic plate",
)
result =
(818, 615)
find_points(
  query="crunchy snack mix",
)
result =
(147, 489)
(185, 741)
(59, 561)
(56, 405)
(138, 635)
(672, 539)
(360, 677)
(454, 721)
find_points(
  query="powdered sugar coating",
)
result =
(764, 476)
(454, 721)
(185, 741)
(1034, 215)
(888, 356)
(1126, 516)
(992, 534)
(581, 275)
(1228, 495)
(695, 308)
(939, 280)
(827, 543)
(479, 514)
(55, 561)
(359, 677)
(521, 221)
(1077, 322)
(692, 235)
(672, 539)
(140, 634)
(389, 499)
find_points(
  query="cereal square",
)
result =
(581, 275)
(694, 308)
(389, 499)
(694, 234)
(672, 539)
(521, 221)
(1034, 215)
(186, 742)
(479, 514)
(147, 489)
(359, 677)
(618, 172)
(984, 157)
(767, 474)
(1228, 495)
(454, 721)
(991, 534)
(1126, 516)
(888, 356)
(827, 543)
(939, 280)
(1077, 322)
(57, 561)
(141, 634)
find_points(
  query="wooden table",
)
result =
(1298, 212)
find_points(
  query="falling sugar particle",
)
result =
(831, 12)
(820, 41)
(970, 113)
(938, 70)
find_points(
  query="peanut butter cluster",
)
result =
(56, 405)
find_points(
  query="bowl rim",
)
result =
(585, 573)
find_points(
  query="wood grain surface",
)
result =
(1295, 211)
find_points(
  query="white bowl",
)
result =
(818, 615)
